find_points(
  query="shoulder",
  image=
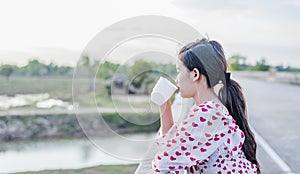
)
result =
(210, 107)
(211, 111)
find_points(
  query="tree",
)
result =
(6, 71)
(137, 72)
(107, 70)
(53, 69)
(237, 63)
(260, 65)
(90, 68)
(34, 67)
(140, 75)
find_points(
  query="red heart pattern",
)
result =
(234, 148)
(214, 117)
(208, 144)
(207, 134)
(172, 158)
(204, 110)
(192, 159)
(187, 135)
(183, 148)
(171, 167)
(194, 124)
(202, 119)
(177, 153)
(216, 139)
(202, 149)
(182, 140)
(191, 139)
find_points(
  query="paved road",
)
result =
(273, 110)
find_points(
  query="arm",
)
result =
(166, 118)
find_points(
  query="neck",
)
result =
(207, 94)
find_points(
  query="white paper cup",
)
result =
(162, 91)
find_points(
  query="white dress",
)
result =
(208, 138)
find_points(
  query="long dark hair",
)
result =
(209, 58)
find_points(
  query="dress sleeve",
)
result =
(193, 140)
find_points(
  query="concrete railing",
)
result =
(285, 77)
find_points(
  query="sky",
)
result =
(58, 30)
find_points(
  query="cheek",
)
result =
(182, 80)
(186, 86)
(178, 79)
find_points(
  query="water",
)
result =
(62, 154)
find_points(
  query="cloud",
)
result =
(256, 29)
(293, 2)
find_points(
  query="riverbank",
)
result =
(20, 127)
(107, 169)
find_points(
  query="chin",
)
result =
(183, 95)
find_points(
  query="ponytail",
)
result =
(233, 98)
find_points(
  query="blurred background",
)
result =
(43, 44)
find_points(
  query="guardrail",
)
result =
(272, 76)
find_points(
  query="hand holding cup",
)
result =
(162, 91)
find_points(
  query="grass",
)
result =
(61, 88)
(133, 122)
(101, 169)
(56, 87)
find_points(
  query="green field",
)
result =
(56, 87)
(63, 88)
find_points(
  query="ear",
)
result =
(195, 74)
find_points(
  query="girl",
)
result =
(215, 136)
